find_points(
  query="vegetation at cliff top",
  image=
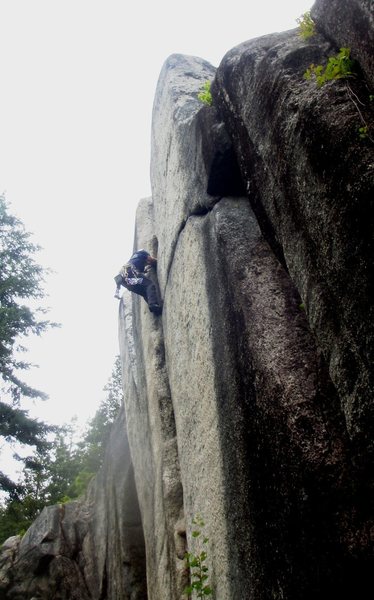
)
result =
(307, 27)
(205, 95)
(340, 66)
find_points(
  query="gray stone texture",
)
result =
(349, 24)
(310, 182)
(152, 434)
(177, 189)
(244, 377)
(262, 438)
(250, 400)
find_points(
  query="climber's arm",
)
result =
(151, 261)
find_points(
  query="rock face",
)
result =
(349, 23)
(310, 182)
(250, 401)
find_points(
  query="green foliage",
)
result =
(47, 478)
(16, 517)
(307, 27)
(196, 564)
(341, 67)
(16, 425)
(205, 95)
(97, 435)
(363, 132)
(60, 470)
(80, 484)
(21, 282)
(21, 278)
(61, 465)
(337, 67)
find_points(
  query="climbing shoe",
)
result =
(155, 309)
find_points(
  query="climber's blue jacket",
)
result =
(139, 260)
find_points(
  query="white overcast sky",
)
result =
(77, 80)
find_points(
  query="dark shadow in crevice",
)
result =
(43, 564)
(221, 166)
(224, 177)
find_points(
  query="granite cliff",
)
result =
(250, 401)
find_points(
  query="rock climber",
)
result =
(134, 278)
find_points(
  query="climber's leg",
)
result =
(137, 288)
(147, 289)
(151, 294)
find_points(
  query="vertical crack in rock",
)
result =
(152, 433)
(249, 401)
(243, 364)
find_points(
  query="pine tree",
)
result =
(21, 281)
(60, 470)
(96, 438)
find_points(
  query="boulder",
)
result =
(349, 23)
(261, 431)
(179, 168)
(310, 183)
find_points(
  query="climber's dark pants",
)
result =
(147, 289)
